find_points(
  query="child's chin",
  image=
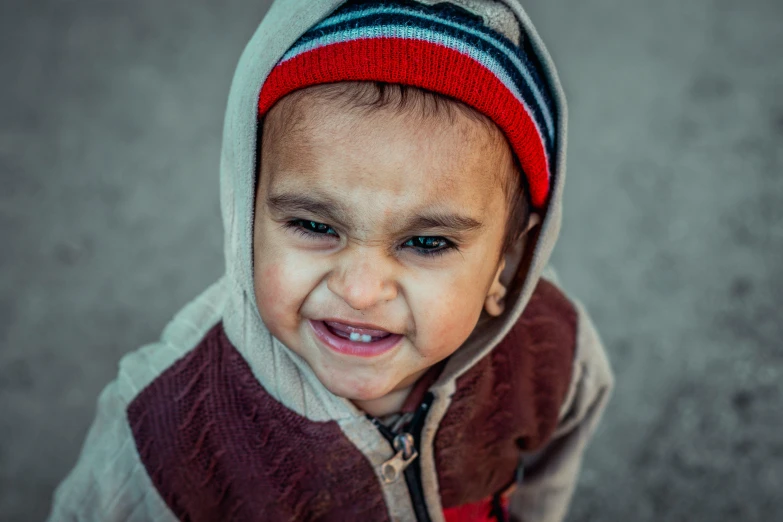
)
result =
(356, 391)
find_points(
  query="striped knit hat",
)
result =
(441, 48)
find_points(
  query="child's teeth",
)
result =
(356, 337)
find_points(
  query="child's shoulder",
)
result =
(182, 335)
(110, 479)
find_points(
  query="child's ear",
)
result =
(495, 303)
(533, 220)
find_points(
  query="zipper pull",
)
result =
(392, 469)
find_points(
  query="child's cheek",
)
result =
(274, 296)
(447, 322)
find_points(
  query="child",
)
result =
(384, 345)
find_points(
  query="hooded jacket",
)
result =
(218, 420)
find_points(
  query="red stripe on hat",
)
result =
(426, 65)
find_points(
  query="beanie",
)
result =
(438, 47)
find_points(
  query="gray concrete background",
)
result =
(673, 236)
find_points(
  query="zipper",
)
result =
(406, 444)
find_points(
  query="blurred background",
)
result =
(110, 125)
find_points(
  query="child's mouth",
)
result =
(354, 340)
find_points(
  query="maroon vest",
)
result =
(217, 446)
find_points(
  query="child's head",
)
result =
(383, 211)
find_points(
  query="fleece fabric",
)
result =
(111, 481)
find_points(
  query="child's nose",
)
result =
(362, 280)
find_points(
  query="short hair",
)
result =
(374, 96)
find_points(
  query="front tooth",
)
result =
(354, 336)
(366, 338)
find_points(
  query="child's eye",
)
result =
(312, 228)
(429, 245)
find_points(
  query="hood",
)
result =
(285, 375)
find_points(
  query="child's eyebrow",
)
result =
(442, 220)
(288, 203)
(336, 213)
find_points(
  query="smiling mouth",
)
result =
(354, 340)
(354, 333)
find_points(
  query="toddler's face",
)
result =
(377, 240)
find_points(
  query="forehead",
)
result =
(384, 159)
